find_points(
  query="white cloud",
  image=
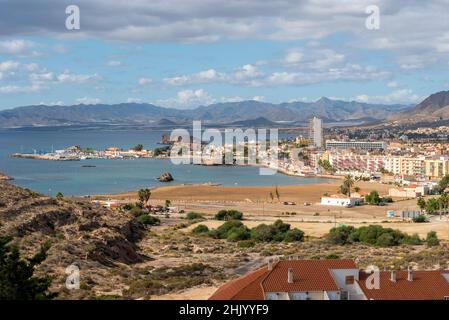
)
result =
(88, 100)
(134, 100)
(68, 77)
(187, 99)
(20, 89)
(144, 81)
(18, 47)
(114, 63)
(9, 65)
(397, 96)
(53, 103)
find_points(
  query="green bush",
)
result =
(432, 239)
(229, 227)
(194, 216)
(340, 235)
(294, 235)
(226, 215)
(128, 206)
(420, 219)
(235, 230)
(246, 244)
(146, 219)
(372, 235)
(201, 228)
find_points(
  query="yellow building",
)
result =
(436, 168)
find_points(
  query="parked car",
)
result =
(289, 203)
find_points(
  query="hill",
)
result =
(433, 108)
(142, 114)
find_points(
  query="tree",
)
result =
(373, 198)
(59, 196)
(326, 165)
(432, 239)
(17, 279)
(144, 195)
(167, 204)
(442, 185)
(348, 183)
(138, 147)
(357, 189)
(278, 196)
(421, 203)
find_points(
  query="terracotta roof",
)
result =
(308, 275)
(426, 285)
(246, 287)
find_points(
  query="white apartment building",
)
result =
(316, 132)
(364, 145)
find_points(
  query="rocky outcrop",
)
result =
(4, 177)
(95, 239)
(166, 177)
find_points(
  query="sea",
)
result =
(102, 176)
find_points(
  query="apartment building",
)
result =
(436, 168)
(333, 279)
(363, 145)
(316, 132)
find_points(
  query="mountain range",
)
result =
(433, 108)
(242, 113)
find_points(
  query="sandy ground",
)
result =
(314, 219)
(197, 293)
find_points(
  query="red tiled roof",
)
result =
(426, 285)
(246, 287)
(308, 275)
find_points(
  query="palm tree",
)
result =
(348, 183)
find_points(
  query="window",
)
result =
(349, 280)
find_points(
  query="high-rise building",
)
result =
(316, 132)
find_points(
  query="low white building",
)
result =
(341, 201)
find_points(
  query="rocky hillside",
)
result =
(94, 239)
(433, 108)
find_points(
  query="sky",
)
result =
(186, 53)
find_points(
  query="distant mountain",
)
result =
(166, 122)
(259, 122)
(221, 113)
(434, 107)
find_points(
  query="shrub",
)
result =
(201, 228)
(340, 235)
(420, 219)
(414, 240)
(294, 235)
(146, 219)
(194, 216)
(372, 235)
(229, 227)
(432, 239)
(238, 234)
(128, 206)
(136, 211)
(229, 215)
(246, 244)
(262, 233)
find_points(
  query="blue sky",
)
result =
(196, 52)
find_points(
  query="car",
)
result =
(306, 204)
(289, 203)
